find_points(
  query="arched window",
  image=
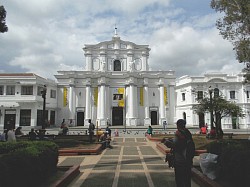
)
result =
(117, 65)
(184, 116)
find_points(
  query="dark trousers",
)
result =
(91, 137)
(183, 176)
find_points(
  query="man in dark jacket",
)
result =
(182, 164)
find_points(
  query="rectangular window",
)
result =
(39, 90)
(39, 120)
(52, 93)
(117, 96)
(52, 117)
(27, 90)
(248, 94)
(232, 94)
(200, 95)
(25, 117)
(10, 90)
(183, 96)
(1, 90)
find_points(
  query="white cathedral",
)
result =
(116, 87)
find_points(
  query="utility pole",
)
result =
(44, 92)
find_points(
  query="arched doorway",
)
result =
(201, 120)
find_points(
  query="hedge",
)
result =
(234, 159)
(27, 163)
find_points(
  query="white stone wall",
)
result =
(225, 83)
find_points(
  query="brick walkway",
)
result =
(133, 162)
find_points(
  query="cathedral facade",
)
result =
(116, 87)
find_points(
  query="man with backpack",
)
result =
(184, 151)
(91, 131)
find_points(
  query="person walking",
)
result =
(183, 154)
(91, 131)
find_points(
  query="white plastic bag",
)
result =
(208, 164)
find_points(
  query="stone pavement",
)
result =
(133, 162)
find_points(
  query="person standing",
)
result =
(91, 131)
(182, 161)
(108, 130)
(165, 125)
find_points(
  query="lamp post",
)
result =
(211, 105)
(44, 92)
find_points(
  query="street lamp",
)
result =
(44, 92)
(210, 90)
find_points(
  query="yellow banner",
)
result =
(121, 101)
(141, 96)
(95, 96)
(165, 96)
(65, 97)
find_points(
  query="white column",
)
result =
(72, 102)
(102, 98)
(107, 103)
(171, 104)
(133, 112)
(88, 103)
(147, 120)
(145, 61)
(101, 115)
(127, 105)
(98, 107)
(131, 101)
(88, 62)
(162, 113)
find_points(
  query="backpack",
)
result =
(189, 152)
(93, 126)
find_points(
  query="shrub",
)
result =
(234, 159)
(28, 165)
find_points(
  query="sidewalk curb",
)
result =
(80, 151)
(202, 179)
(68, 176)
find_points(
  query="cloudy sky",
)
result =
(48, 35)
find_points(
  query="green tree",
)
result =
(3, 26)
(235, 27)
(220, 108)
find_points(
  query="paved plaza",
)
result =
(133, 162)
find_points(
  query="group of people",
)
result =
(211, 134)
(11, 134)
(104, 137)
